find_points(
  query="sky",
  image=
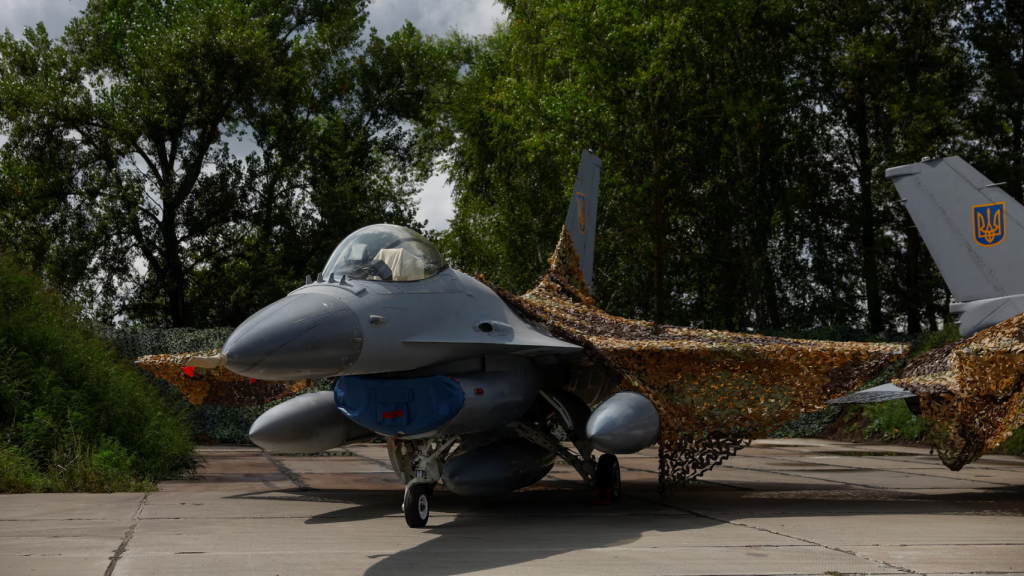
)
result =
(430, 16)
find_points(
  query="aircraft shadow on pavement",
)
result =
(469, 535)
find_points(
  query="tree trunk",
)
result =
(913, 290)
(1016, 184)
(658, 230)
(867, 216)
(176, 282)
(659, 248)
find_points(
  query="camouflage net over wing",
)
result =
(217, 386)
(972, 391)
(713, 390)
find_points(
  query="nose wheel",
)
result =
(417, 505)
(607, 480)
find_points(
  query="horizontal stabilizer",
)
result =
(882, 393)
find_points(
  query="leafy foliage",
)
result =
(743, 148)
(68, 402)
(118, 152)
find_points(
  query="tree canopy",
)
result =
(744, 146)
(119, 181)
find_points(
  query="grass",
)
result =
(888, 421)
(74, 416)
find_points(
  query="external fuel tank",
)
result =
(497, 468)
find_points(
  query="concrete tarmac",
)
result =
(779, 507)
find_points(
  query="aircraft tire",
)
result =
(607, 480)
(417, 505)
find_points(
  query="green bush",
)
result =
(18, 473)
(211, 424)
(892, 420)
(83, 416)
(1014, 445)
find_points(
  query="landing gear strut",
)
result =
(418, 463)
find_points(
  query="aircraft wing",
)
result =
(705, 383)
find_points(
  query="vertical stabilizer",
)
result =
(582, 219)
(974, 232)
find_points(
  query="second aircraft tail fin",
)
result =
(974, 232)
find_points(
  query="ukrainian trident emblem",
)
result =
(581, 210)
(988, 224)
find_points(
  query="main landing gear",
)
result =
(607, 481)
(601, 474)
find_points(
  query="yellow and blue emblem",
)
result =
(989, 227)
(581, 210)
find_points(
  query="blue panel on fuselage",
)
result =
(399, 406)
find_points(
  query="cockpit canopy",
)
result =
(385, 252)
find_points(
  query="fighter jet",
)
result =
(429, 358)
(975, 233)
(428, 355)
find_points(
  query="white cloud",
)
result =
(15, 15)
(430, 16)
(436, 206)
(435, 17)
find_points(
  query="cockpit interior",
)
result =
(385, 253)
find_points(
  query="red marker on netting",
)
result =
(252, 380)
(190, 370)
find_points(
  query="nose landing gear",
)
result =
(418, 463)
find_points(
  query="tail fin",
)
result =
(582, 219)
(975, 233)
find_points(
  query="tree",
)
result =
(995, 31)
(893, 86)
(701, 123)
(744, 147)
(118, 182)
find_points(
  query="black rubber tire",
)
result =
(417, 505)
(608, 476)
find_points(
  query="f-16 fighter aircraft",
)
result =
(971, 392)
(469, 383)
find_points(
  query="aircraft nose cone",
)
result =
(305, 335)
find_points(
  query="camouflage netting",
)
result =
(713, 390)
(717, 390)
(972, 391)
(217, 386)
